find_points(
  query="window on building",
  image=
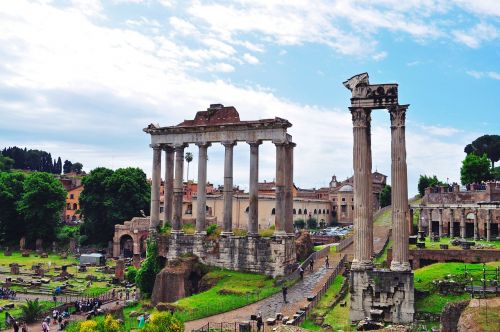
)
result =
(71, 196)
(315, 212)
(161, 209)
(68, 206)
(343, 199)
(75, 206)
(344, 209)
(300, 211)
(294, 211)
(273, 211)
(324, 211)
(353, 207)
(305, 211)
(327, 211)
(246, 210)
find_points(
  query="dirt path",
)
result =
(296, 298)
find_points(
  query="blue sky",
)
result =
(82, 78)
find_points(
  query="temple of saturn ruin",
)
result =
(219, 124)
(386, 293)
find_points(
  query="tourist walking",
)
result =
(259, 321)
(16, 326)
(301, 272)
(45, 326)
(284, 290)
(327, 262)
(311, 265)
(24, 327)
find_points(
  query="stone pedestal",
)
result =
(120, 270)
(14, 268)
(389, 291)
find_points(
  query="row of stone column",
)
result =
(174, 187)
(451, 229)
(363, 216)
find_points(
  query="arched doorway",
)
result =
(126, 246)
(469, 225)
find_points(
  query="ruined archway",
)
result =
(126, 246)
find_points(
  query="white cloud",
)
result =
(250, 59)
(477, 35)
(379, 56)
(481, 74)
(439, 130)
(182, 26)
(221, 67)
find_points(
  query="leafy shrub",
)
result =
(300, 223)
(146, 275)
(163, 322)
(131, 274)
(31, 310)
(211, 229)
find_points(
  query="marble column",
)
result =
(201, 196)
(155, 188)
(399, 181)
(488, 225)
(168, 188)
(280, 183)
(419, 222)
(410, 223)
(363, 212)
(430, 223)
(476, 230)
(289, 189)
(178, 189)
(253, 204)
(227, 226)
(462, 223)
(440, 223)
(451, 230)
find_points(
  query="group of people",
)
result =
(7, 294)
(90, 306)
(16, 326)
(61, 319)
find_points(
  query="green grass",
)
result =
(385, 219)
(445, 240)
(232, 290)
(338, 317)
(434, 302)
(383, 257)
(28, 261)
(310, 325)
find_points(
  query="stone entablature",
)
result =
(453, 194)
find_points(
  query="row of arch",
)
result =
(316, 211)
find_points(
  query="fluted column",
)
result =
(363, 213)
(201, 196)
(168, 188)
(227, 226)
(178, 188)
(280, 188)
(155, 188)
(462, 223)
(440, 223)
(451, 230)
(410, 223)
(476, 233)
(253, 204)
(289, 189)
(399, 193)
(488, 225)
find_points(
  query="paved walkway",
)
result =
(297, 298)
(380, 233)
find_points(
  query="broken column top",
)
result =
(368, 95)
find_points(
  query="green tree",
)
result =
(6, 163)
(150, 267)
(189, 158)
(12, 226)
(67, 166)
(110, 198)
(486, 144)
(475, 169)
(312, 223)
(77, 168)
(427, 181)
(31, 310)
(41, 204)
(385, 196)
(299, 223)
(495, 173)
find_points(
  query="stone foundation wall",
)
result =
(450, 255)
(273, 256)
(390, 291)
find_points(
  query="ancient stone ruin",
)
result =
(373, 290)
(219, 124)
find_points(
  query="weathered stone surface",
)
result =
(120, 269)
(390, 291)
(304, 246)
(451, 314)
(177, 280)
(473, 317)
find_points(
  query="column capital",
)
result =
(203, 144)
(155, 146)
(180, 146)
(398, 115)
(361, 117)
(254, 143)
(228, 144)
(167, 147)
(280, 143)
